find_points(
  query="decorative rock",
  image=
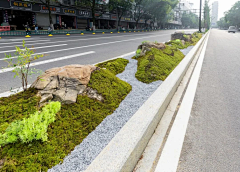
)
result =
(65, 83)
(180, 35)
(146, 46)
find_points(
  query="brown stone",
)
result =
(64, 83)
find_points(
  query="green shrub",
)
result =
(73, 123)
(144, 42)
(158, 64)
(32, 128)
(138, 53)
(116, 66)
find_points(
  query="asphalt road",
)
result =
(82, 49)
(212, 141)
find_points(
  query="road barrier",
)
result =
(5, 32)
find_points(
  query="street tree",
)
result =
(189, 19)
(94, 5)
(121, 7)
(162, 10)
(206, 14)
(232, 17)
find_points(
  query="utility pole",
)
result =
(200, 22)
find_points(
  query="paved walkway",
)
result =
(212, 141)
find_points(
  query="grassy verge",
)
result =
(73, 123)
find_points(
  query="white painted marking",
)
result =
(14, 91)
(21, 41)
(73, 48)
(54, 42)
(168, 161)
(51, 60)
(36, 48)
(20, 45)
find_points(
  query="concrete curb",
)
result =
(124, 150)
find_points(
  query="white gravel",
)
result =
(95, 142)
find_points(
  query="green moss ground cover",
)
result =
(178, 44)
(73, 123)
(116, 66)
(158, 64)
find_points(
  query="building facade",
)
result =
(182, 6)
(214, 17)
(64, 13)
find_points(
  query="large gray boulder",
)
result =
(181, 36)
(65, 83)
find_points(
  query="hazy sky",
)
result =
(223, 5)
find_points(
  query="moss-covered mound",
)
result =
(116, 66)
(158, 64)
(195, 37)
(73, 123)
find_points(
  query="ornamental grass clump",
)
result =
(32, 128)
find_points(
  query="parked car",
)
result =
(232, 29)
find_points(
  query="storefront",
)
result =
(69, 20)
(83, 19)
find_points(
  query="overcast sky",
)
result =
(223, 5)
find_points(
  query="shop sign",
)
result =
(148, 22)
(18, 5)
(114, 17)
(105, 16)
(69, 11)
(122, 18)
(141, 21)
(84, 13)
(54, 10)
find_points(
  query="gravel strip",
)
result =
(95, 142)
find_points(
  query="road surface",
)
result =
(212, 141)
(74, 49)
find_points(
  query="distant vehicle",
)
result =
(232, 29)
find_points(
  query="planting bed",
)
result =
(81, 130)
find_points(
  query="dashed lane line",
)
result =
(87, 46)
(6, 41)
(36, 48)
(51, 60)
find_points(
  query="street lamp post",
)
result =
(200, 22)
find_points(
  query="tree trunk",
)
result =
(93, 13)
(49, 14)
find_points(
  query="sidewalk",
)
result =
(212, 141)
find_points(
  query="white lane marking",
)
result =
(14, 91)
(52, 42)
(36, 48)
(50, 60)
(20, 45)
(21, 41)
(169, 158)
(48, 52)
(87, 38)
